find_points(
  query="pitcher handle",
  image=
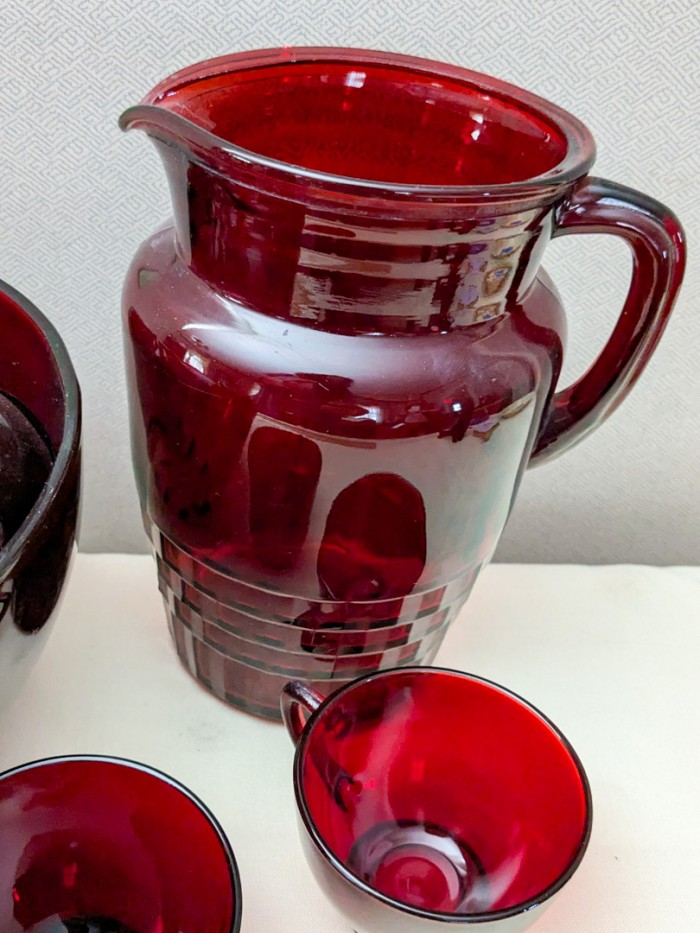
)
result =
(656, 239)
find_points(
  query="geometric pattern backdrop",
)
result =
(78, 196)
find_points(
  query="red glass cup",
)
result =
(427, 795)
(104, 845)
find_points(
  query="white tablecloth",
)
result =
(611, 654)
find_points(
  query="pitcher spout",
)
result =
(176, 131)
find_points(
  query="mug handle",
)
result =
(295, 695)
(657, 242)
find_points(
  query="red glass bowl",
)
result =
(428, 795)
(37, 377)
(113, 845)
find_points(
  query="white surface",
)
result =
(609, 653)
(78, 197)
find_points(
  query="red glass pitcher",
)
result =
(343, 353)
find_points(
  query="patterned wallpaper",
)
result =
(78, 196)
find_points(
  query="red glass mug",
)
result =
(343, 353)
(429, 796)
(103, 845)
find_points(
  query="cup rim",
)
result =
(167, 124)
(70, 441)
(132, 764)
(349, 876)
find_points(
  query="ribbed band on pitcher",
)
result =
(245, 658)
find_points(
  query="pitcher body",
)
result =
(343, 353)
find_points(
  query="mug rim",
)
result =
(133, 765)
(349, 876)
(169, 125)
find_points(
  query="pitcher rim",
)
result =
(173, 128)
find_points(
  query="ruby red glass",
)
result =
(40, 430)
(343, 353)
(103, 845)
(427, 794)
